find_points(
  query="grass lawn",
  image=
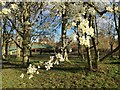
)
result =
(65, 75)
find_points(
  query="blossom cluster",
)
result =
(85, 41)
(110, 9)
(49, 64)
(92, 11)
(59, 57)
(6, 11)
(54, 60)
(85, 31)
(31, 70)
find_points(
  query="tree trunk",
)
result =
(30, 52)
(24, 53)
(4, 40)
(26, 36)
(96, 30)
(111, 48)
(0, 41)
(89, 58)
(95, 63)
(18, 49)
(78, 49)
(79, 46)
(3, 52)
(88, 48)
(119, 35)
(117, 29)
(0, 51)
(6, 50)
(18, 52)
(64, 21)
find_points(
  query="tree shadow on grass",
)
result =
(118, 63)
(71, 69)
(7, 65)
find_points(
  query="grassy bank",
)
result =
(65, 75)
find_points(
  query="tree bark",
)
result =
(96, 30)
(6, 50)
(79, 46)
(30, 52)
(78, 49)
(111, 48)
(119, 35)
(95, 63)
(88, 48)
(18, 52)
(26, 38)
(24, 52)
(117, 29)
(0, 51)
(89, 58)
(64, 21)
(18, 49)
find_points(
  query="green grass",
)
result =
(65, 75)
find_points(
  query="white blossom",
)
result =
(48, 65)
(27, 22)
(38, 66)
(116, 9)
(3, 3)
(22, 75)
(14, 6)
(58, 55)
(6, 11)
(85, 41)
(74, 37)
(31, 69)
(30, 76)
(90, 31)
(62, 59)
(56, 62)
(37, 72)
(73, 24)
(70, 50)
(51, 57)
(109, 9)
(92, 11)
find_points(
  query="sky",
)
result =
(69, 32)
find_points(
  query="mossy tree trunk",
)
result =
(26, 36)
(19, 40)
(5, 41)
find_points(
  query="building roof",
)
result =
(34, 46)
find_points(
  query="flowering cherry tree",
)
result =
(24, 18)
